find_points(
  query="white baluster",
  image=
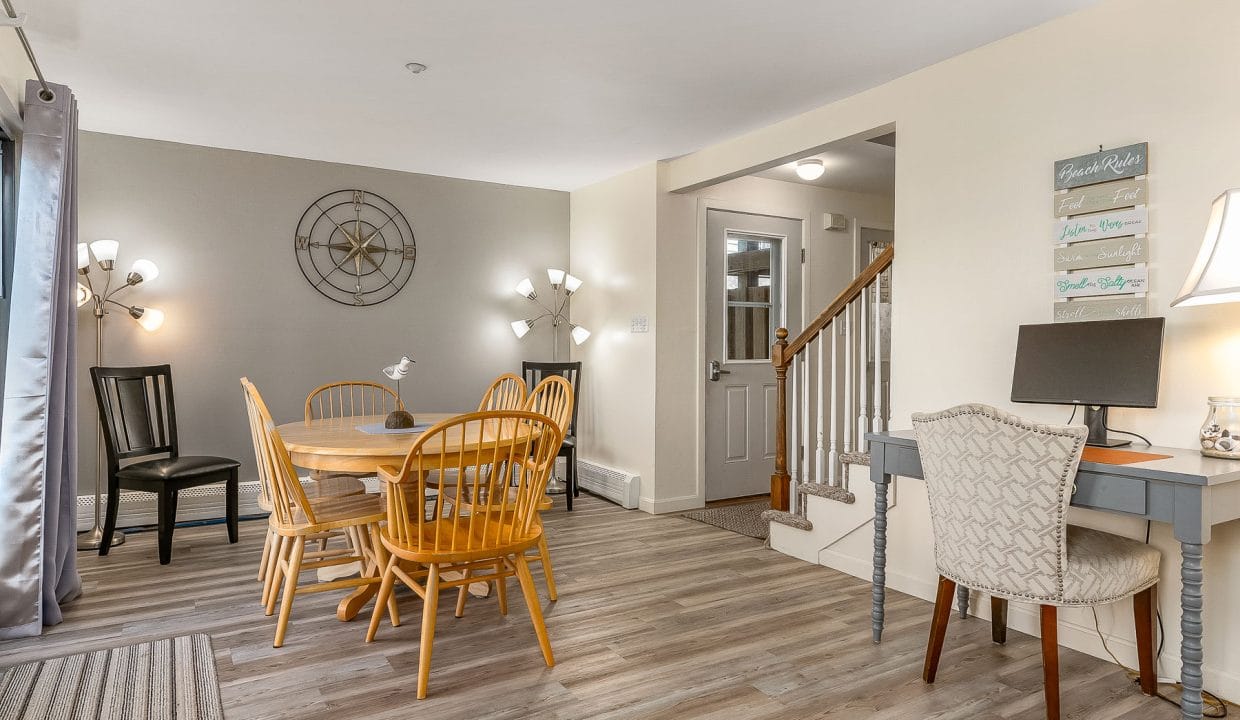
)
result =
(806, 447)
(863, 370)
(820, 454)
(833, 456)
(849, 382)
(794, 435)
(876, 423)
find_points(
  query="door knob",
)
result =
(716, 370)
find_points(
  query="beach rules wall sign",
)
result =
(1101, 234)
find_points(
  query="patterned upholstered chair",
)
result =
(999, 490)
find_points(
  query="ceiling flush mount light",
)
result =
(810, 169)
(563, 285)
(416, 68)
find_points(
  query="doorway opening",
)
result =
(780, 244)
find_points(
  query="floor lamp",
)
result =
(563, 285)
(149, 318)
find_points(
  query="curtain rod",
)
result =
(46, 94)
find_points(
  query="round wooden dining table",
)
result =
(337, 445)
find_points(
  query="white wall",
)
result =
(977, 138)
(219, 223)
(613, 251)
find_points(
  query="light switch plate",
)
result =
(639, 324)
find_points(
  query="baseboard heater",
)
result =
(205, 502)
(619, 486)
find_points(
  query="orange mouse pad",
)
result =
(1111, 456)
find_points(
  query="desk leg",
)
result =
(962, 601)
(879, 590)
(1191, 604)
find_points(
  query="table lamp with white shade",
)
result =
(151, 319)
(1215, 278)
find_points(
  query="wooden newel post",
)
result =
(780, 481)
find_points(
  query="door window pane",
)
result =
(753, 290)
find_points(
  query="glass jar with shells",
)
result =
(1220, 434)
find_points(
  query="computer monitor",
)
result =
(1096, 364)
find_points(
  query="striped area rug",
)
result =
(169, 679)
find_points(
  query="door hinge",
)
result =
(802, 255)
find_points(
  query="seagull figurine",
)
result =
(399, 370)
(398, 418)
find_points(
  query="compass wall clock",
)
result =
(355, 247)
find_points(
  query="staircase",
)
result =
(832, 387)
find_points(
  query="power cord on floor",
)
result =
(1214, 707)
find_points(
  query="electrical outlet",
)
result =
(639, 324)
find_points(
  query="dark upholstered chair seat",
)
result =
(185, 467)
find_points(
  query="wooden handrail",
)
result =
(782, 354)
(850, 293)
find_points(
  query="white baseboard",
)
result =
(205, 502)
(670, 505)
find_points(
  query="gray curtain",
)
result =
(38, 440)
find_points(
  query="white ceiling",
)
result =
(853, 164)
(548, 93)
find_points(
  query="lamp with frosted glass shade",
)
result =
(563, 285)
(100, 299)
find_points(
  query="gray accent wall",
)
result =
(219, 224)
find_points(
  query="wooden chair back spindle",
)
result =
(507, 392)
(276, 470)
(524, 442)
(351, 398)
(553, 397)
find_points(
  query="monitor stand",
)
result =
(1096, 421)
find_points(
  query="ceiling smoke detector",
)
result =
(415, 67)
(810, 169)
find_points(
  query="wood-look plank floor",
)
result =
(658, 617)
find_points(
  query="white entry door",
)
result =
(753, 286)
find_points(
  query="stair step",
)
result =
(855, 458)
(830, 492)
(792, 520)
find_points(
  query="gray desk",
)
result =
(1191, 492)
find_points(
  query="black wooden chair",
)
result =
(139, 420)
(534, 372)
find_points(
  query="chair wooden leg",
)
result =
(429, 608)
(109, 515)
(381, 600)
(571, 471)
(462, 594)
(998, 619)
(292, 570)
(1050, 660)
(501, 588)
(531, 602)
(1143, 612)
(371, 538)
(231, 505)
(262, 563)
(938, 627)
(167, 518)
(545, 555)
(270, 560)
(283, 546)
